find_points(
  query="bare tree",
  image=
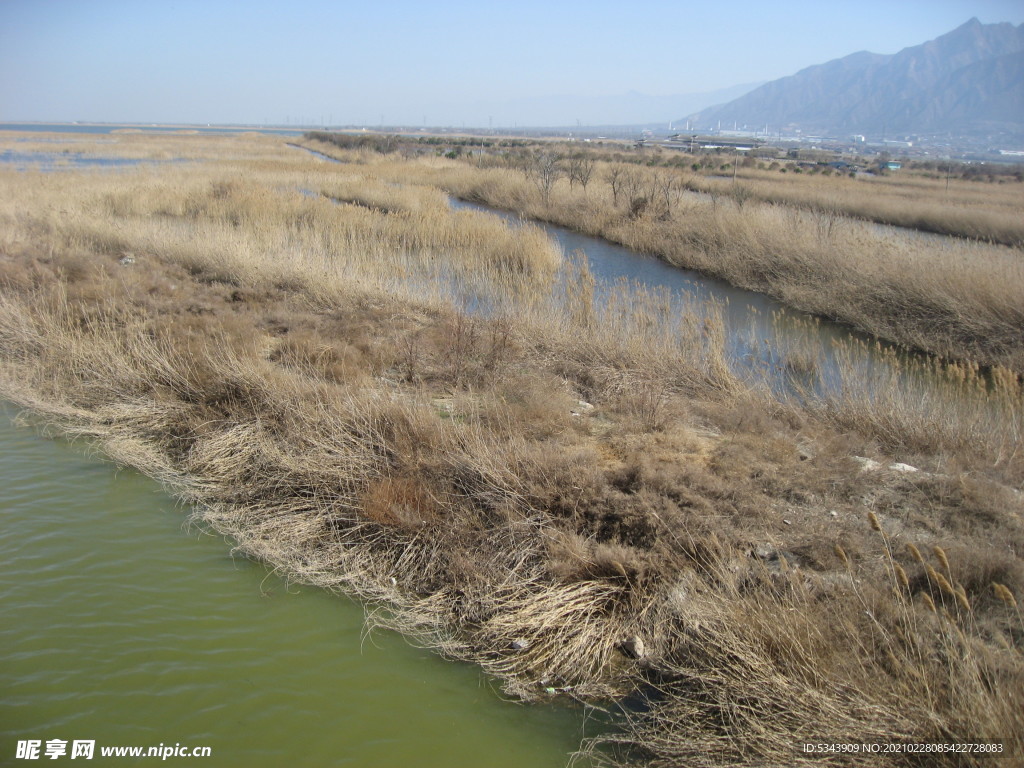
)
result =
(546, 171)
(634, 184)
(581, 168)
(615, 176)
(665, 189)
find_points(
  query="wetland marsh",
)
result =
(585, 500)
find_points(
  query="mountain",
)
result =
(970, 80)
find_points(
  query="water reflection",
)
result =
(55, 161)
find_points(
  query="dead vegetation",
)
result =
(959, 299)
(966, 209)
(585, 506)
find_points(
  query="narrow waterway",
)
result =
(771, 346)
(761, 332)
(119, 626)
(766, 342)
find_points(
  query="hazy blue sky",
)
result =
(403, 62)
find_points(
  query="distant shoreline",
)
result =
(146, 128)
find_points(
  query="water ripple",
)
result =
(115, 626)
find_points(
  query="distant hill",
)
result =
(968, 81)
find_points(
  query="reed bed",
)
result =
(953, 298)
(966, 209)
(428, 410)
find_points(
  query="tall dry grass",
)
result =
(541, 486)
(453, 520)
(260, 227)
(957, 299)
(895, 645)
(986, 212)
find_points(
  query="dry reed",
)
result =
(954, 298)
(533, 486)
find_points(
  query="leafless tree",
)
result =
(546, 171)
(633, 182)
(581, 168)
(666, 189)
(615, 176)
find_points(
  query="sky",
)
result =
(447, 62)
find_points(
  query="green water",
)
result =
(119, 626)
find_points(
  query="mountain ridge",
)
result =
(968, 80)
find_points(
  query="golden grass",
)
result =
(299, 372)
(957, 299)
(989, 212)
(226, 227)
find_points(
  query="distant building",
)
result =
(695, 142)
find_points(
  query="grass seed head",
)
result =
(841, 554)
(945, 586)
(915, 553)
(1004, 594)
(901, 576)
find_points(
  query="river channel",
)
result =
(119, 626)
(766, 343)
